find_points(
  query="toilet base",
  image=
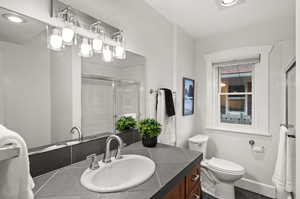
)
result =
(225, 190)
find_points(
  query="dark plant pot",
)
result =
(130, 135)
(149, 142)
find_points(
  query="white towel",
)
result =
(152, 106)
(279, 175)
(168, 134)
(284, 171)
(290, 165)
(15, 181)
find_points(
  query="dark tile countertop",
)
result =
(172, 164)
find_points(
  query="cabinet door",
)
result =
(178, 192)
(192, 180)
(196, 192)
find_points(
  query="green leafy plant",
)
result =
(125, 123)
(149, 128)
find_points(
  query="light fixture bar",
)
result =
(84, 21)
(94, 34)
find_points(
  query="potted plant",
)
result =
(125, 123)
(149, 130)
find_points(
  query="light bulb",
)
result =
(97, 45)
(68, 35)
(86, 48)
(229, 2)
(55, 40)
(119, 52)
(13, 18)
(107, 54)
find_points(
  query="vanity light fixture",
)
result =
(119, 49)
(54, 39)
(68, 33)
(107, 54)
(13, 18)
(95, 36)
(97, 45)
(86, 48)
(227, 3)
(98, 40)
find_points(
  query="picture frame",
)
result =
(188, 96)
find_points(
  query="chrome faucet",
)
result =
(77, 129)
(107, 156)
(93, 162)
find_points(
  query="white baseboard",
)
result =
(257, 187)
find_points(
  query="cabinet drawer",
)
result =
(192, 180)
(196, 192)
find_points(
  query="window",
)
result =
(237, 90)
(235, 94)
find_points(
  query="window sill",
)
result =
(240, 131)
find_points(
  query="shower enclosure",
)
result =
(290, 117)
(291, 96)
(105, 100)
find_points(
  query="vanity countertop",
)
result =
(172, 164)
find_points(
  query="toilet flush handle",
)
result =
(251, 142)
(196, 196)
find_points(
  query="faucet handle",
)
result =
(93, 161)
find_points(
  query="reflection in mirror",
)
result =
(111, 90)
(43, 93)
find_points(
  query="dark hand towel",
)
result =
(169, 102)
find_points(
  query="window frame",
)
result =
(219, 94)
(260, 98)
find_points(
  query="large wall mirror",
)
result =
(43, 93)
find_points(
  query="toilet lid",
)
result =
(225, 166)
(198, 139)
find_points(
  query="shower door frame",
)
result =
(287, 69)
(114, 81)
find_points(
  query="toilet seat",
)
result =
(225, 166)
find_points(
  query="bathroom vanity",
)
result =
(188, 188)
(177, 176)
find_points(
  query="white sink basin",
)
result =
(118, 175)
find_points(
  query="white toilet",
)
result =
(217, 175)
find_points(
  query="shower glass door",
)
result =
(97, 106)
(291, 95)
(127, 99)
(105, 101)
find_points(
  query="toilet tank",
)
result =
(199, 143)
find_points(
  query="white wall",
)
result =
(184, 67)
(26, 81)
(233, 146)
(61, 95)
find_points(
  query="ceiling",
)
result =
(19, 33)
(201, 18)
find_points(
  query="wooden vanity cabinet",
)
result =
(188, 188)
(177, 192)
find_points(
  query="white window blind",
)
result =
(244, 61)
